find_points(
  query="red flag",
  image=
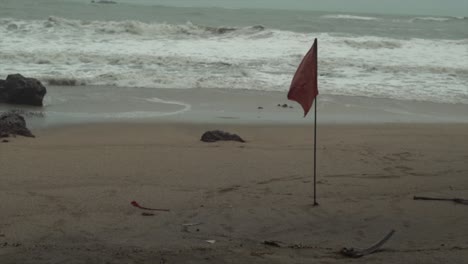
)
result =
(304, 86)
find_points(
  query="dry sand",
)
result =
(66, 194)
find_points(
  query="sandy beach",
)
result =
(117, 173)
(66, 194)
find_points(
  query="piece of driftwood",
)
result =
(134, 203)
(357, 253)
(272, 243)
(455, 200)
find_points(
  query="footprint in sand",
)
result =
(399, 156)
(399, 169)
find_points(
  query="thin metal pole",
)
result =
(315, 153)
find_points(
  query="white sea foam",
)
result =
(436, 19)
(350, 17)
(136, 54)
(185, 107)
(374, 44)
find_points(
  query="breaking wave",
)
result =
(62, 81)
(349, 17)
(372, 44)
(437, 19)
(65, 52)
(132, 27)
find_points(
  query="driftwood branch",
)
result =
(357, 253)
(146, 208)
(455, 200)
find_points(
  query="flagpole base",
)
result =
(315, 204)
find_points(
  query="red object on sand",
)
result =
(134, 203)
(304, 87)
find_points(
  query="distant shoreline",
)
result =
(103, 2)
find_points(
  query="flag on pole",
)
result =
(304, 86)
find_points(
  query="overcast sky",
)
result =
(426, 7)
(407, 7)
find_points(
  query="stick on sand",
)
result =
(357, 253)
(455, 200)
(146, 208)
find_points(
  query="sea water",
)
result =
(242, 45)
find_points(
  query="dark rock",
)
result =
(216, 135)
(2, 95)
(5, 141)
(284, 105)
(259, 107)
(279, 105)
(17, 89)
(12, 27)
(258, 27)
(13, 124)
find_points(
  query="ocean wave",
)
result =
(437, 19)
(373, 44)
(67, 52)
(132, 27)
(349, 17)
(63, 81)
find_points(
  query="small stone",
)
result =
(5, 141)
(259, 107)
(284, 105)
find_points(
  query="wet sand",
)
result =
(84, 104)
